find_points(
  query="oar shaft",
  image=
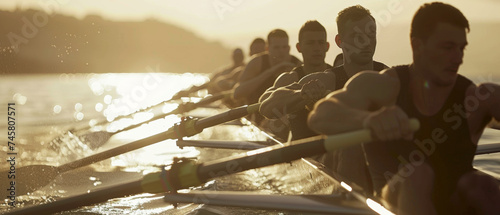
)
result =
(190, 90)
(173, 133)
(269, 156)
(232, 114)
(117, 151)
(91, 198)
(181, 109)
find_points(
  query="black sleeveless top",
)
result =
(266, 64)
(443, 141)
(298, 120)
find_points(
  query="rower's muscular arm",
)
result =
(250, 83)
(346, 109)
(283, 87)
(283, 80)
(289, 99)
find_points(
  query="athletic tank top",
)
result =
(443, 141)
(298, 120)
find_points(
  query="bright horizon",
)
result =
(235, 23)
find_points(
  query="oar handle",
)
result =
(334, 142)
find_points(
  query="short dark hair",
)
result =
(257, 40)
(311, 25)
(354, 13)
(276, 33)
(430, 14)
(254, 43)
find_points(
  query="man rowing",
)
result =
(227, 81)
(429, 171)
(293, 90)
(261, 71)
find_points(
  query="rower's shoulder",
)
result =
(378, 87)
(374, 78)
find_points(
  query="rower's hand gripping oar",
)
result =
(31, 178)
(188, 174)
(97, 138)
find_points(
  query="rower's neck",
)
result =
(308, 68)
(351, 68)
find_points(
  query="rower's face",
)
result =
(358, 41)
(442, 54)
(257, 48)
(279, 49)
(313, 47)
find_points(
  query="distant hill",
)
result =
(64, 44)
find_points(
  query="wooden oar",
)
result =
(31, 178)
(324, 204)
(96, 139)
(223, 144)
(188, 174)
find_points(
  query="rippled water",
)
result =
(47, 106)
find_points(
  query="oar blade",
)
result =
(96, 139)
(26, 180)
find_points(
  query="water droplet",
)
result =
(79, 116)
(78, 107)
(57, 109)
(99, 107)
(107, 99)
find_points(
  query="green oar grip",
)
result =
(334, 142)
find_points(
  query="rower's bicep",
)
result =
(368, 90)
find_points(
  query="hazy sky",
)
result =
(237, 22)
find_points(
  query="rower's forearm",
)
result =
(248, 87)
(331, 117)
(281, 102)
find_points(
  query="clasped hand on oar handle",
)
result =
(338, 141)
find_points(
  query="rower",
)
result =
(227, 81)
(263, 69)
(293, 91)
(238, 60)
(429, 171)
(339, 60)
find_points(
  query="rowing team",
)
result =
(425, 172)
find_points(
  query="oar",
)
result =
(96, 139)
(488, 148)
(193, 89)
(318, 203)
(31, 178)
(188, 174)
(177, 96)
(223, 144)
